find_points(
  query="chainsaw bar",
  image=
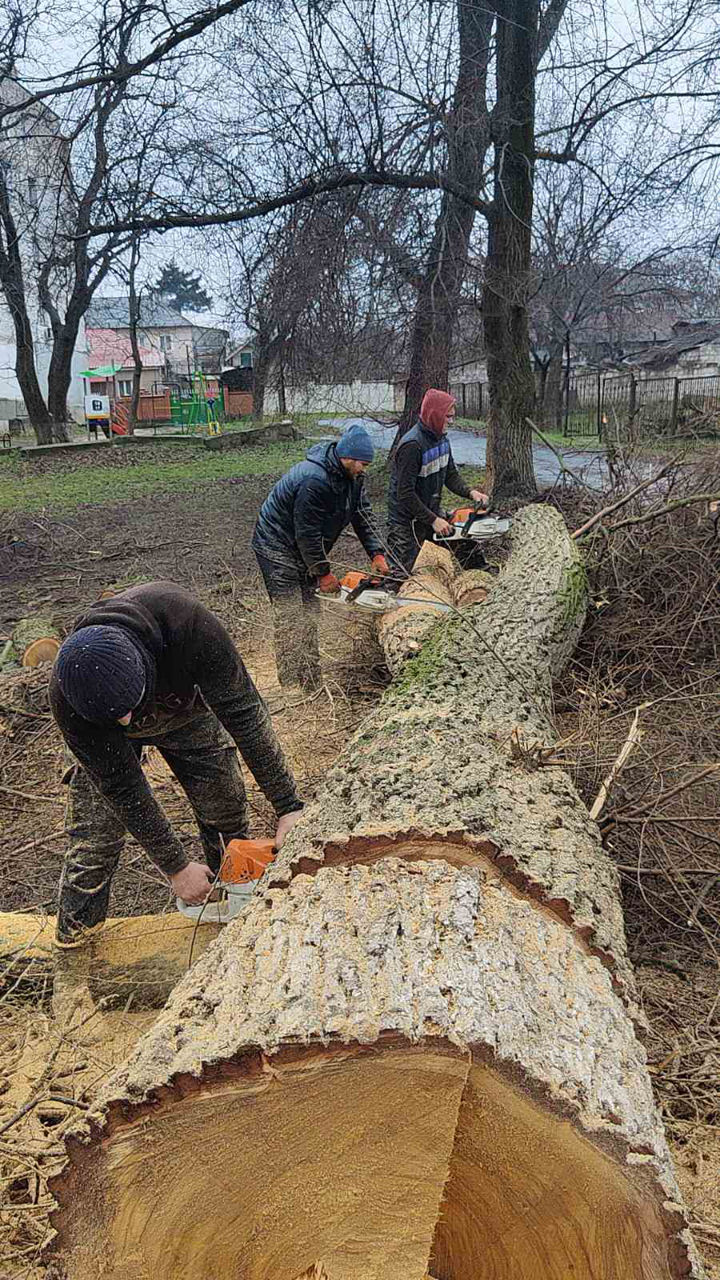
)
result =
(376, 600)
(475, 525)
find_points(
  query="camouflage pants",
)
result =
(295, 622)
(204, 760)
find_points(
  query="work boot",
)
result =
(73, 1006)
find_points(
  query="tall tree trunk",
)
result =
(553, 391)
(134, 317)
(262, 360)
(60, 373)
(414, 1055)
(507, 272)
(26, 374)
(12, 282)
(439, 291)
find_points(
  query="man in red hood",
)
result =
(422, 467)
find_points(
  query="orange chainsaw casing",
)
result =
(246, 860)
(462, 514)
(352, 579)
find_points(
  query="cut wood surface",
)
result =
(36, 640)
(436, 583)
(415, 1053)
(139, 959)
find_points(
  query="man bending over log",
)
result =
(422, 466)
(299, 523)
(153, 665)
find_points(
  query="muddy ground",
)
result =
(59, 565)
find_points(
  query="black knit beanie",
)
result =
(102, 673)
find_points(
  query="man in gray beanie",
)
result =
(299, 523)
(153, 665)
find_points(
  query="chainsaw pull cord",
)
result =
(213, 883)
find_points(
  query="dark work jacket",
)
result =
(304, 514)
(195, 666)
(422, 466)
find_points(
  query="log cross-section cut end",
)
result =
(394, 1072)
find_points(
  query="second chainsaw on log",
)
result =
(376, 594)
(474, 524)
(243, 865)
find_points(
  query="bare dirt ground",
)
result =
(59, 566)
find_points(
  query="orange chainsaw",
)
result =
(377, 594)
(243, 865)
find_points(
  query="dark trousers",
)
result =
(204, 760)
(295, 621)
(405, 541)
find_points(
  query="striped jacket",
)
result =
(423, 465)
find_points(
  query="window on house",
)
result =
(246, 359)
(125, 386)
(165, 342)
(98, 389)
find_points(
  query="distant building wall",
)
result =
(355, 398)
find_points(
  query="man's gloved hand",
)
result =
(192, 884)
(285, 824)
(477, 495)
(379, 564)
(442, 527)
(328, 584)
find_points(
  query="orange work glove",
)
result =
(328, 584)
(379, 564)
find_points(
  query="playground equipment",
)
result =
(199, 411)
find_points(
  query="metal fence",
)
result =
(620, 405)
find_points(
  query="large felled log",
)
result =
(415, 1055)
(445, 767)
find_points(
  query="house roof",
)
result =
(662, 354)
(208, 341)
(114, 313)
(247, 344)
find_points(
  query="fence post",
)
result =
(464, 414)
(675, 404)
(480, 399)
(599, 407)
(632, 406)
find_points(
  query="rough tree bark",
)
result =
(507, 269)
(415, 1053)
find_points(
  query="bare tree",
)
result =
(435, 101)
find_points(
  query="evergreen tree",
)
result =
(182, 289)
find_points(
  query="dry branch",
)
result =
(625, 751)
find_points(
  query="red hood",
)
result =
(435, 408)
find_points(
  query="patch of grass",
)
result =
(478, 426)
(149, 470)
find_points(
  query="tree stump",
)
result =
(36, 640)
(415, 1054)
